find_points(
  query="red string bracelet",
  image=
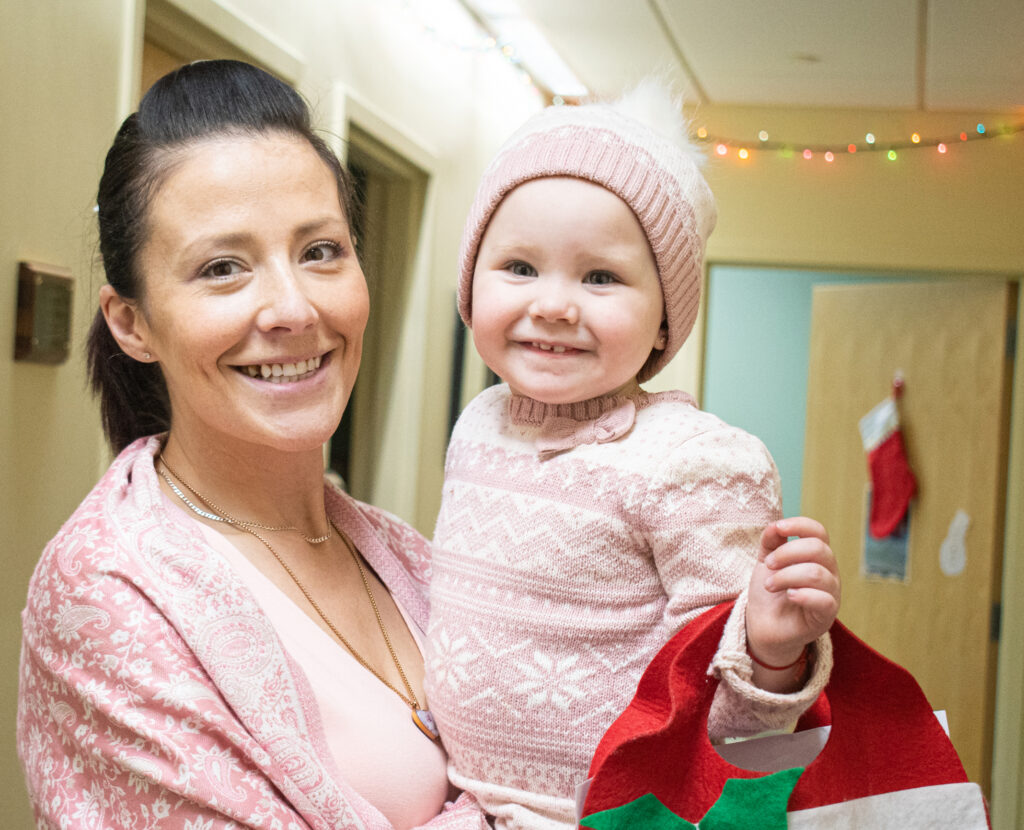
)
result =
(802, 659)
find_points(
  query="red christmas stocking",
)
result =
(892, 481)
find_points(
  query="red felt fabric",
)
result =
(820, 714)
(884, 735)
(892, 485)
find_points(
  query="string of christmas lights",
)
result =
(482, 42)
(743, 149)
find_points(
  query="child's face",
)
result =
(567, 303)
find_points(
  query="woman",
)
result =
(215, 638)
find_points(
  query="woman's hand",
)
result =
(793, 599)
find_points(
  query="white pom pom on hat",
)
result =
(636, 147)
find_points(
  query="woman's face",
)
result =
(253, 301)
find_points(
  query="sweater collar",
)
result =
(565, 426)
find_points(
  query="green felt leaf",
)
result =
(753, 803)
(745, 804)
(646, 812)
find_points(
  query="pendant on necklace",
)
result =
(425, 721)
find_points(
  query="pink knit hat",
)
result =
(636, 148)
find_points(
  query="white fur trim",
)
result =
(656, 105)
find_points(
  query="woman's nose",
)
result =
(554, 303)
(285, 301)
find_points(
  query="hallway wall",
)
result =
(960, 212)
(59, 81)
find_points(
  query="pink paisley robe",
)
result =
(154, 692)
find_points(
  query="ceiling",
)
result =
(930, 55)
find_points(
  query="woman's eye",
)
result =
(522, 269)
(600, 278)
(321, 251)
(221, 269)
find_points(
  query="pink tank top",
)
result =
(378, 750)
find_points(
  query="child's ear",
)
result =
(126, 324)
(661, 341)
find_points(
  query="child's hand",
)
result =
(793, 598)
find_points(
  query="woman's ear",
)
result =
(126, 324)
(661, 341)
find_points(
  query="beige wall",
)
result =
(59, 99)
(64, 88)
(959, 213)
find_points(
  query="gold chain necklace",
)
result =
(224, 516)
(420, 716)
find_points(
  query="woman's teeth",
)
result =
(283, 372)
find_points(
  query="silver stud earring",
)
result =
(147, 355)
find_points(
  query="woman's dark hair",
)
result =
(199, 101)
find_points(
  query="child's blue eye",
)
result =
(521, 269)
(600, 278)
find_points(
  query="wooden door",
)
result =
(949, 340)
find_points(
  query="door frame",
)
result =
(407, 423)
(196, 29)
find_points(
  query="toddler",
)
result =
(584, 520)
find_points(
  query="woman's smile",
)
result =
(284, 371)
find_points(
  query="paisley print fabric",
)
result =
(154, 692)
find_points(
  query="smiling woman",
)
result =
(217, 637)
(249, 269)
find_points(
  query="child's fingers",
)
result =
(802, 550)
(772, 538)
(803, 526)
(819, 605)
(803, 575)
(777, 533)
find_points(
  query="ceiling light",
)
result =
(515, 32)
(450, 22)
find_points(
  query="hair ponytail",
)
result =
(133, 395)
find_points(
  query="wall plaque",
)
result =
(42, 333)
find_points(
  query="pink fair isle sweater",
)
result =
(572, 542)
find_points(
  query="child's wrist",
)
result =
(793, 674)
(800, 660)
